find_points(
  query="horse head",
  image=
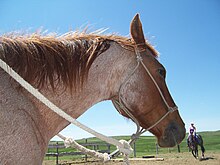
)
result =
(143, 95)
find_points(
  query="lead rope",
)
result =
(69, 142)
(123, 147)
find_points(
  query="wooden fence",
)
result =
(58, 146)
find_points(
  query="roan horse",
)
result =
(193, 143)
(76, 71)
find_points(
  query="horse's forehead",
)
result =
(151, 60)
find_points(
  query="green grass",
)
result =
(211, 140)
(146, 145)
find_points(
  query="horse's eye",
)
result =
(162, 72)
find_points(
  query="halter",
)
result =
(121, 106)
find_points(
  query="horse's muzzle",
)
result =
(173, 135)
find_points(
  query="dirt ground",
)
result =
(167, 159)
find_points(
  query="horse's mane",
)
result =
(41, 59)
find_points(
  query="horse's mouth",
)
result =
(173, 135)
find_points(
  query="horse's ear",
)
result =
(136, 31)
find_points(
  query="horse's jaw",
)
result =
(173, 135)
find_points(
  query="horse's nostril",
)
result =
(172, 136)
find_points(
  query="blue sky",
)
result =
(185, 32)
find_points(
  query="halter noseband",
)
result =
(120, 104)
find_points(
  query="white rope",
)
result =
(59, 111)
(69, 142)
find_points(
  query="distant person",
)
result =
(192, 129)
(192, 132)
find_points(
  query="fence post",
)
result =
(134, 149)
(48, 151)
(86, 155)
(57, 154)
(157, 149)
(178, 146)
(109, 149)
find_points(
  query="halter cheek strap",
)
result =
(121, 106)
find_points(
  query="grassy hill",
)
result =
(146, 145)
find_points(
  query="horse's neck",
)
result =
(104, 79)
